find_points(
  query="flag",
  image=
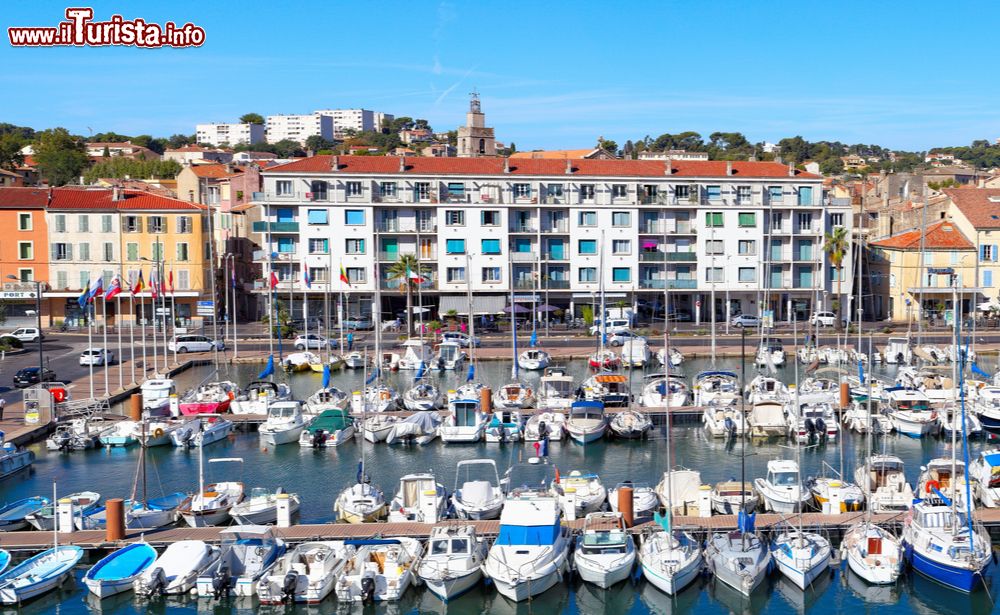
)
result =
(84, 296)
(412, 275)
(154, 287)
(274, 280)
(139, 284)
(171, 279)
(306, 279)
(976, 370)
(114, 289)
(233, 277)
(534, 339)
(861, 372)
(343, 276)
(95, 289)
(268, 370)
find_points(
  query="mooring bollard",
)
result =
(114, 522)
(135, 407)
(625, 507)
(64, 516)
(284, 510)
(836, 497)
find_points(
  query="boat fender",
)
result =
(288, 585)
(158, 432)
(231, 395)
(932, 485)
(383, 395)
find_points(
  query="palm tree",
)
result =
(401, 271)
(835, 244)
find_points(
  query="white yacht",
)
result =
(581, 494)
(326, 398)
(362, 502)
(873, 553)
(376, 427)
(305, 575)
(766, 388)
(985, 471)
(381, 570)
(556, 390)
(910, 412)
(882, 478)
(813, 419)
(449, 356)
(767, 419)
(630, 424)
(453, 562)
(284, 424)
(504, 426)
(551, 425)
(156, 394)
(533, 359)
(258, 395)
(246, 554)
(586, 421)
(514, 396)
(782, 490)
(416, 355)
(478, 494)
(664, 391)
(680, 489)
(644, 499)
(722, 421)
(419, 498)
(605, 553)
(719, 387)
(465, 422)
(937, 484)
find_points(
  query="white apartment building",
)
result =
(298, 128)
(219, 134)
(354, 119)
(559, 231)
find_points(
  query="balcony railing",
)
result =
(523, 228)
(556, 284)
(556, 228)
(394, 285)
(682, 284)
(681, 257)
(387, 226)
(276, 227)
(652, 284)
(652, 257)
(552, 256)
(553, 200)
(524, 284)
(523, 257)
(685, 229)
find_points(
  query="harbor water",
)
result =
(319, 475)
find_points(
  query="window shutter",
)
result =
(53, 252)
(994, 253)
(69, 251)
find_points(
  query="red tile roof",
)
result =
(943, 235)
(212, 171)
(84, 198)
(495, 166)
(976, 206)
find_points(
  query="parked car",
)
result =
(194, 343)
(353, 323)
(825, 319)
(26, 334)
(313, 342)
(27, 376)
(745, 320)
(614, 325)
(619, 338)
(97, 356)
(462, 339)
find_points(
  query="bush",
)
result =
(8, 342)
(886, 329)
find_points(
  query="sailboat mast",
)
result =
(957, 318)
(472, 314)
(798, 410)
(513, 321)
(604, 311)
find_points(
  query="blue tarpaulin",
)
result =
(268, 370)
(528, 535)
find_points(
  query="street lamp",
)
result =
(38, 314)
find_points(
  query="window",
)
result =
(588, 218)
(184, 224)
(491, 217)
(62, 251)
(319, 274)
(715, 246)
(24, 222)
(106, 223)
(747, 219)
(454, 217)
(588, 274)
(587, 246)
(183, 279)
(422, 190)
(805, 250)
(354, 246)
(84, 252)
(354, 217)
(742, 194)
(182, 252)
(131, 224)
(988, 278)
(318, 189)
(156, 224)
(62, 280)
(554, 192)
(357, 275)
(747, 247)
(491, 246)
(319, 246)
(60, 223)
(713, 219)
(522, 191)
(714, 274)
(353, 189)
(213, 195)
(805, 221)
(621, 218)
(491, 274)
(84, 279)
(454, 246)
(619, 191)
(837, 219)
(388, 190)
(25, 250)
(26, 275)
(777, 219)
(283, 187)
(621, 274)
(157, 251)
(805, 195)
(456, 192)
(108, 252)
(987, 252)
(713, 193)
(682, 192)
(455, 274)
(621, 246)
(587, 192)
(317, 216)
(774, 194)
(132, 251)
(748, 274)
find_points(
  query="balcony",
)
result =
(527, 227)
(276, 227)
(653, 228)
(672, 257)
(562, 227)
(556, 256)
(652, 284)
(394, 285)
(447, 197)
(522, 284)
(685, 229)
(553, 200)
(682, 284)
(556, 284)
(523, 257)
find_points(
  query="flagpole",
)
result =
(152, 300)
(232, 285)
(173, 315)
(104, 336)
(163, 303)
(118, 329)
(131, 332)
(142, 311)
(90, 340)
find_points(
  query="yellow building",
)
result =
(947, 253)
(976, 212)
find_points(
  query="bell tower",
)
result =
(475, 139)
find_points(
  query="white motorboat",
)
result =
(176, 570)
(326, 398)
(531, 552)
(882, 478)
(418, 428)
(680, 489)
(157, 431)
(504, 426)
(610, 389)
(664, 391)
(541, 425)
(416, 355)
(671, 559)
(300, 361)
(465, 421)
(586, 422)
(951, 419)
(604, 553)
(897, 351)
(604, 359)
(767, 419)
(943, 544)
(644, 499)
(449, 356)
(261, 508)
(376, 427)
(469, 390)
(202, 431)
(676, 357)
(731, 496)
(212, 503)
(305, 575)
(247, 554)
(514, 396)
(330, 428)
(379, 398)
(782, 490)
(770, 353)
(556, 390)
(765, 388)
(422, 396)
(380, 571)
(362, 502)
(910, 412)
(581, 494)
(987, 407)
(724, 421)
(453, 562)
(533, 359)
(873, 553)
(419, 498)
(478, 495)
(857, 419)
(39, 574)
(356, 360)
(120, 435)
(718, 387)
(801, 556)
(45, 519)
(630, 424)
(156, 394)
(284, 424)
(985, 472)
(258, 395)
(937, 484)
(635, 352)
(812, 420)
(824, 488)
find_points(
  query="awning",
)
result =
(481, 304)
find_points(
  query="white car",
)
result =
(826, 319)
(97, 356)
(26, 334)
(312, 342)
(615, 325)
(193, 343)
(464, 340)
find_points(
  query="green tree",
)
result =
(119, 167)
(60, 156)
(251, 118)
(286, 148)
(402, 271)
(835, 245)
(10, 151)
(316, 143)
(607, 145)
(177, 141)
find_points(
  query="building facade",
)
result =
(557, 231)
(23, 252)
(220, 134)
(475, 139)
(357, 120)
(298, 128)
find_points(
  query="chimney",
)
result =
(569, 167)
(116, 194)
(670, 167)
(729, 167)
(402, 163)
(779, 160)
(335, 166)
(49, 202)
(791, 170)
(506, 165)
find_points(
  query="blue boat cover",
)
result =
(993, 459)
(528, 535)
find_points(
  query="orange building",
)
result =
(24, 250)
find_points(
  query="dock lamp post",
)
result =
(38, 314)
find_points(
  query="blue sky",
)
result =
(551, 74)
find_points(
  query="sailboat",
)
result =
(362, 502)
(211, 505)
(603, 358)
(514, 395)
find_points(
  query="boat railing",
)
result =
(82, 408)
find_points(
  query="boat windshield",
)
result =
(466, 413)
(458, 546)
(259, 492)
(614, 538)
(784, 479)
(913, 405)
(156, 393)
(530, 477)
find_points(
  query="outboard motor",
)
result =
(543, 430)
(821, 426)
(367, 590)
(220, 583)
(730, 426)
(157, 582)
(288, 585)
(810, 426)
(318, 437)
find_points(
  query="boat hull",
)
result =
(206, 518)
(453, 587)
(205, 407)
(671, 584)
(962, 579)
(521, 590)
(284, 436)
